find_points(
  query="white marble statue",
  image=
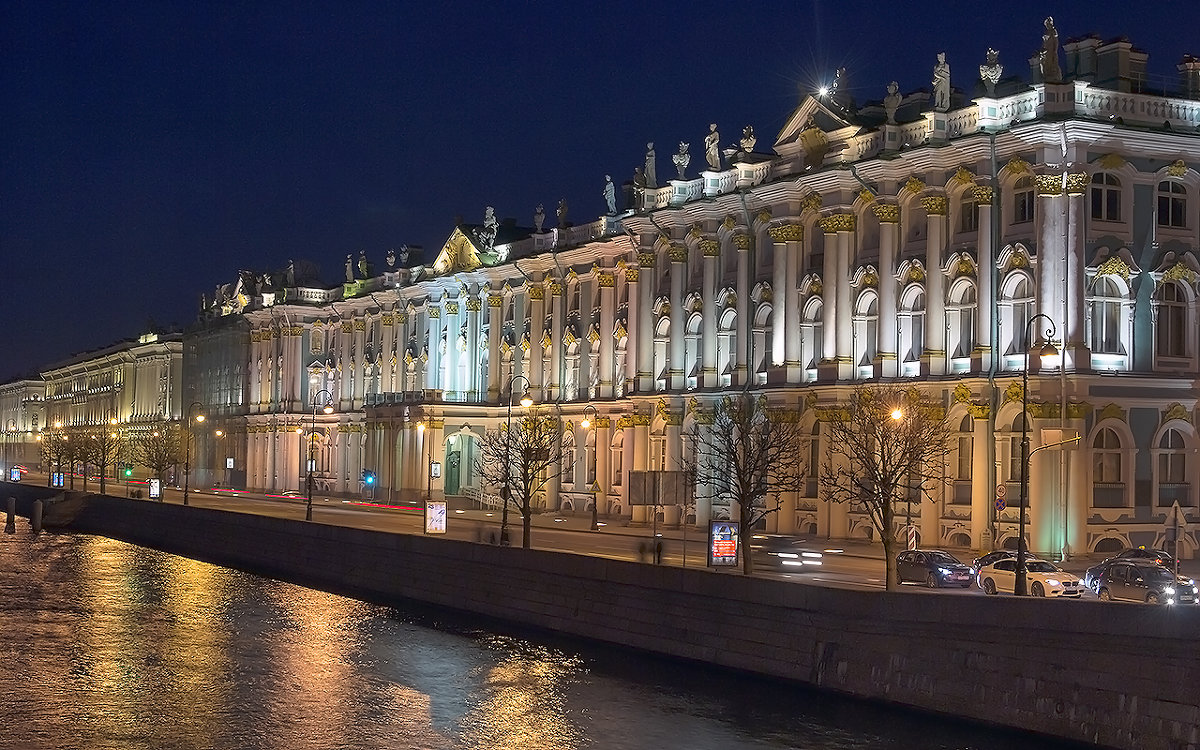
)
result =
(562, 213)
(390, 258)
(891, 102)
(539, 218)
(349, 268)
(941, 84)
(610, 195)
(364, 268)
(648, 172)
(991, 71)
(1048, 56)
(712, 151)
(487, 233)
(289, 276)
(682, 159)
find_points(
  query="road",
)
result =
(852, 565)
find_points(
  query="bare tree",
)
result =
(101, 448)
(882, 444)
(748, 452)
(521, 461)
(56, 451)
(159, 450)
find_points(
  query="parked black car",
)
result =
(784, 552)
(932, 567)
(992, 557)
(1144, 582)
(1141, 554)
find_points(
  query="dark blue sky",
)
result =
(153, 149)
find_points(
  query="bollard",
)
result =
(36, 517)
(10, 523)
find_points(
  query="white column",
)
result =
(474, 385)
(889, 217)
(433, 368)
(495, 312)
(647, 283)
(709, 377)
(632, 279)
(537, 329)
(986, 307)
(934, 358)
(558, 369)
(675, 373)
(780, 309)
(830, 313)
(738, 354)
(606, 282)
(451, 357)
(1077, 352)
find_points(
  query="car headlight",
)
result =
(944, 571)
(1169, 590)
(1052, 582)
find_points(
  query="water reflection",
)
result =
(112, 646)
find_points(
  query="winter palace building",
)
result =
(913, 239)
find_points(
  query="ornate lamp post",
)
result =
(10, 427)
(586, 424)
(526, 401)
(327, 403)
(910, 538)
(1049, 357)
(187, 461)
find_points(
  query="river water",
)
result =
(108, 645)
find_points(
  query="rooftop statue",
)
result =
(289, 276)
(364, 268)
(390, 258)
(991, 71)
(349, 268)
(891, 102)
(711, 149)
(941, 84)
(539, 218)
(1048, 56)
(748, 139)
(487, 233)
(648, 173)
(682, 159)
(562, 213)
(610, 195)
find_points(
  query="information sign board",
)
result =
(435, 517)
(724, 542)
(155, 489)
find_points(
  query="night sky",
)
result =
(153, 149)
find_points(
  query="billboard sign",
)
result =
(155, 489)
(14, 474)
(724, 543)
(58, 479)
(435, 517)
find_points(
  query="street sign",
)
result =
(155, 489)
(1001, 503)
(435, 469)
(1001, 490)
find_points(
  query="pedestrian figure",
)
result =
(658, 549)
(642, 552)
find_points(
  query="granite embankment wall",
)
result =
(1120, 676)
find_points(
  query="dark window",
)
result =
(1172, 204)
(1106, 197)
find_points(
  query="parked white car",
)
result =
(1041, 578)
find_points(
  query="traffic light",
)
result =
(128, 470)
(368, 476)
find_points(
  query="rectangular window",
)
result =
(964, 457)
(1023, 207)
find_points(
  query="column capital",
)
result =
(838, 223)
(935, 205)
(787, 233)
(888, 213)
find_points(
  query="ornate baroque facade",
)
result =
(905, 240)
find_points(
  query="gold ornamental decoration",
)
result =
(646, 260)
(452, 308)
(935, 205)
(474, 305)
(914, 185)
(434, 312)
(887, 213)
(710, 248)
(964, 176)
(495, 300)
(401, 318)
(1111, 161)
(729, 223)
(536, 292)
(556, 289)
(811, 202)
(787, 233)
(741, 241)
(1114, 266)
(631, 275)
(1017, 165)
(866, 196)
(678, 254)
(982, 194)
(347, 327)
(1049, 184)
(1179, 272)
(1077, 182)
(1112, 411)
(607, 280)
(386, 319)
(764, 216)
(838, 223)
(1178, 168)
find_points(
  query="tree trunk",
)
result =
(526, 523)
(892, 583)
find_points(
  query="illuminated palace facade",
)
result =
(909, 240)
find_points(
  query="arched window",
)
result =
(1170, 321)
(1108, 484)
(1172, 204)
(1106, 302)
(966, 445)
(1171, 459)
(814, 461)
(960, 320)
(866, 333)
(812, 336)
(1106, 197)
(1023, 201)
(1018, 300)
(912, 329)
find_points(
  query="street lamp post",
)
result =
(10, 427)
(585, 423)
(910, 538)
(327, 405)
(506, 492)
(1048, 355)
(187, 460)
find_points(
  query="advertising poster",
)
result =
(14, 474)
(58, 479)
(723, 544)
(435, 517)
(155, 489)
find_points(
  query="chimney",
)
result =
(1189, 77)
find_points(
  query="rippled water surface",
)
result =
(107, 645)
